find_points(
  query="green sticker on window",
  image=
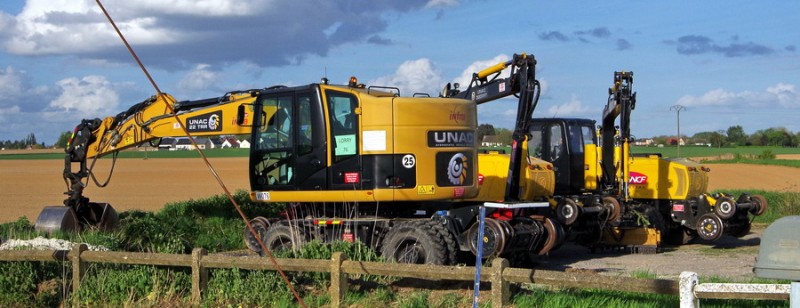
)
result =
(346, 145)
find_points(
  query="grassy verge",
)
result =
(212, 224)
(780, 204)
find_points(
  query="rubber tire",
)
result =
(655, 218)
(679, 236)
(740, 231)
(261, 229)
(449, 240)
(279, 237)
(411, 235)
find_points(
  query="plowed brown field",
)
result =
(147, 184)
(143, 184)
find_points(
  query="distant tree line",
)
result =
(735, 136)
(28, 142)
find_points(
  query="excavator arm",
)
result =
(487, 85)
(621, 101)
(158, 116)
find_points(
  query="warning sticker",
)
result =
(425, 190)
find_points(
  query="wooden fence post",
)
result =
(199, 275)
(501, 293)
(338, 279)
(78, 267)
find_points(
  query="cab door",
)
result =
(346, 164)
(288, 151)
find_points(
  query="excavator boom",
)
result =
(157, 117)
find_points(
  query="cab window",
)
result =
(344, 126)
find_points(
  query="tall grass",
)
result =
(212, 224)
(780, 204)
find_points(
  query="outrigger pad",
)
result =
(57, 218)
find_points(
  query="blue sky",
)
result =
(728, 62)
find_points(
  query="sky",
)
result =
(727, 62)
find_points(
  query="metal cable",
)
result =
(205, 159)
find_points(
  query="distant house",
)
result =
(675, 141)
(213, 143)
(229, 142)
(244, 144)
(186, 144)
(644, 142)
(167, 144)
(490, 141)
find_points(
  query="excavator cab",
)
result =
(289, 149)
(566, 143)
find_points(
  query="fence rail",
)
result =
(499, 274)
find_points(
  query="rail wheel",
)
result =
(762, 205)
(726, 207)
(414, 243)
(710, 227)
(282, 237)
(567, 212)
(494, 238)
(612, 206)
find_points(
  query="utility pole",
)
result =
(678, 108)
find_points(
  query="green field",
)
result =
(698, 151)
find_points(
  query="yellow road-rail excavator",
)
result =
(351, 162)
(605, 195)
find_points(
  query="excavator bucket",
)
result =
(109, 220)
(63, 218)
(57, 218)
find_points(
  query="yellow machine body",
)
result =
(653, 177)
(536, 183)
(405, 127)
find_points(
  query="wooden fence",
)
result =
(498, 274)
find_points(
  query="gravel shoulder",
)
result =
(729, 257)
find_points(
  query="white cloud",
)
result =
(785, 94)
(441, 3)
(11, 83)
(200, 78)
(781, 95)
(7, 113)
(413, 76)
(573, 108)
(90, 96)
(182, 33)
